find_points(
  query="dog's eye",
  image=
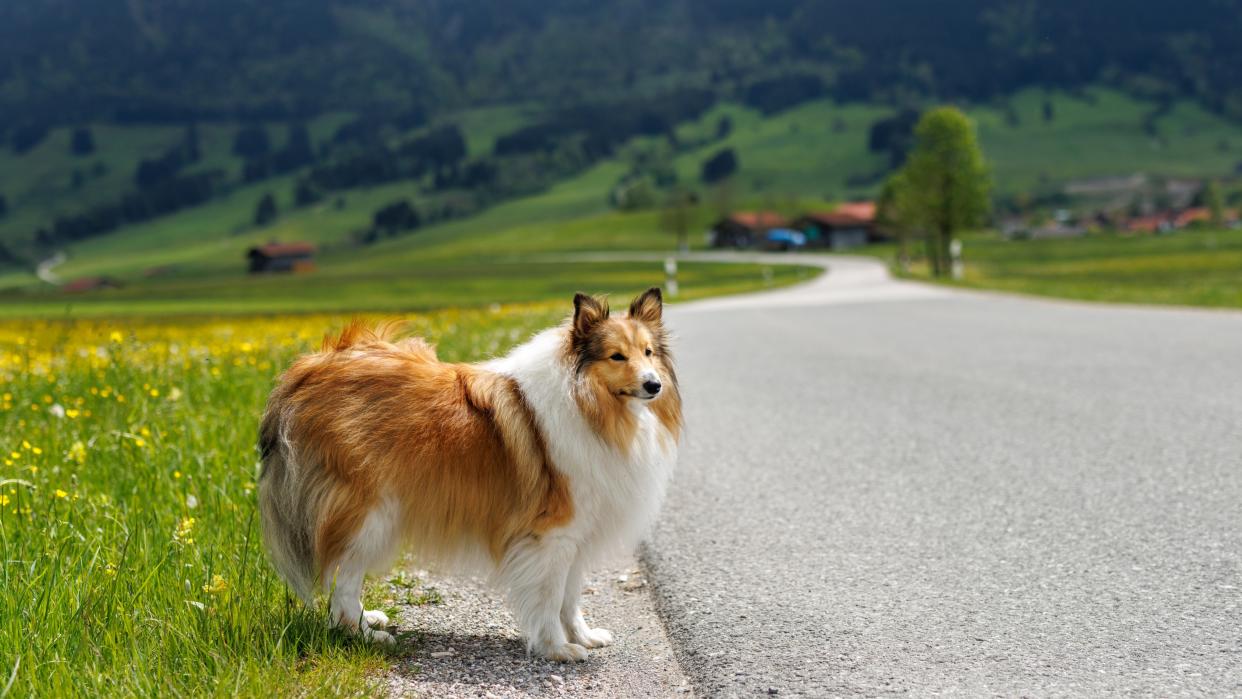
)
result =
(618, 357)
(648, 351)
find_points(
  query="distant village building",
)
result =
(1153, 223)
(84, 284)
(850, 225)
(744, 229)
(282, 257)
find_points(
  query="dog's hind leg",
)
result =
(370, 549)
(534, 573)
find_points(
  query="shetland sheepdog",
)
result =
(528, 469)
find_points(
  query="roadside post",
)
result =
(955, 254)
(670, 276)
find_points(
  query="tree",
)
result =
(891, 216)
(190, 143)
(720, 166)
(4, 206)
(266, 211)
(251, 142)
(1215, 203)
(679, 214)
(306, 193)
(82, 143)
(944, 186)
(395, 218)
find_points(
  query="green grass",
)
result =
(459, 284)
(1104, 136)
(131, 556)
(1191, 268)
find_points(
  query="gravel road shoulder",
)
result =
(462, 642)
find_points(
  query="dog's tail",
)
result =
(296, 489)
(288, 507)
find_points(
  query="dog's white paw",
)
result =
(374, 617)
(597, 638)
(564, 653)
(380, 637)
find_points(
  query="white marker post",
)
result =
(670, 276)
(955, 254)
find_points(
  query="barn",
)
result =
(282, 257)
(848, 226)
(744, 229)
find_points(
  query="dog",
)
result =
(527, 469)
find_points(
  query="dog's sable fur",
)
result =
(529, 468)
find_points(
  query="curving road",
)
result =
(890, 488)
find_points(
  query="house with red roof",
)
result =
(744, 229)
(282, 257)
(849, 225)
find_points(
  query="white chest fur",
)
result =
(616, 495)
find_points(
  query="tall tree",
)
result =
(82, 142)
(251, 142)
(892, 217)
(265, 212)
(945, 184)
(721, 165)
(679, 214)
(1215, 203)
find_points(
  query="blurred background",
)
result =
(192, 192)
(170, 156)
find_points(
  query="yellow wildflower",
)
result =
(4, 500)
(72, 413)
(185, 528)
(61, 494)
(116, 336)
(77, 452)
(217, 585)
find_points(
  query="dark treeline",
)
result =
(439, 150)
(153, 172)
(69, 62)
(605, 126)
(168, 195)
(262, 162)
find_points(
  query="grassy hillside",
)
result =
(1103, 135)
(1191, 268)
(800, 158)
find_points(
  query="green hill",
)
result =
(807, 156)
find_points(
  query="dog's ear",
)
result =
(648, 306)
(588, 312)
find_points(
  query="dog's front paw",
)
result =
(598, 638)
(564, 653)
(594, 638)
(382, 638)
(375, 618)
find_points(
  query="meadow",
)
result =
(133, 563)
(1189, 268)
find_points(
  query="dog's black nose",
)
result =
(652, 387)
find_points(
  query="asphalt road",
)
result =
(889, 488)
